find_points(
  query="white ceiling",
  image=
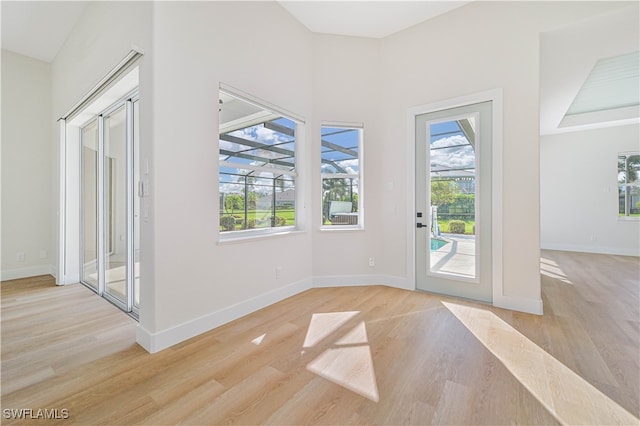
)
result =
(38, 29)
(567, 56)
(374, 19)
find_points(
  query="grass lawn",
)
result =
(262, 217)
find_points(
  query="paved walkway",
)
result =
(457, 257)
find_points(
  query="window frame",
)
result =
(298, 138)
(359, 176)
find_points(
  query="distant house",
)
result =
(283, 199)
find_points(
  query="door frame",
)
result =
(495, 97)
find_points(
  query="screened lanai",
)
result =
(453, 159)
(257, 159)
(453, 168)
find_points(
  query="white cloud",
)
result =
(261, 134)
(454, 158)
(449, 141)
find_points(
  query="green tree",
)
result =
(233, 202)
(355, 202)
(252, 200)
(443, 192)
(628, 168)
(335, 189)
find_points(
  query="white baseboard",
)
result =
(591, 249)
(361, 280)
(155, 342)
(345, 281)
(30, 271)
(145, 339)
(68, 279)
(531, 306)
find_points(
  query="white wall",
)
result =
(478, 47)
(579, 201)
(579, 192)
(346, 82)
(190, 282)
(26, 167)
(104, 35)
(260, 49)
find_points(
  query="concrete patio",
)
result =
(457, 257)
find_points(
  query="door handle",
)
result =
(420, 225)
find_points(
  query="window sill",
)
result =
(258, 235)
(628, 218)
(341, 228)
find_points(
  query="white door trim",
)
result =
(495, 96)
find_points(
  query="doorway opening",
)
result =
(100, 146)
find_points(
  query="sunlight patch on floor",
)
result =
(566, 395)
(325, 324)
(551, 269)
(258, 339)
(348, 362)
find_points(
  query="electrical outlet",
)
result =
(20, 256)
(593, 238)
(372, 262)
(43, 254)
(278, 272)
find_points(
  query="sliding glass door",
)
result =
(89, 204)
(109, 203)
(115, 197)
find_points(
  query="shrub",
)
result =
(249, 224)
(228, 223)
(456, 227)
(278, 221)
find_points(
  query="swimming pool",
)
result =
(436, 243)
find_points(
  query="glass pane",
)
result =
(622, 200)
(250, 135)
(89, 153)
(622, 169)
(629, 200)
(250, 200)
(115, 193)
(452, 157)
(634, 201)
(629, 184)
(258, 196)
(340, 154)
(339, 201)
(136, 206)
(633, 168)
(340, 150)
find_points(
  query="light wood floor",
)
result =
(372, 355)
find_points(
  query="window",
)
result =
(629, 185)
(341, 179)
(257, 178)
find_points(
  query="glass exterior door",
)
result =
(453, 200)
